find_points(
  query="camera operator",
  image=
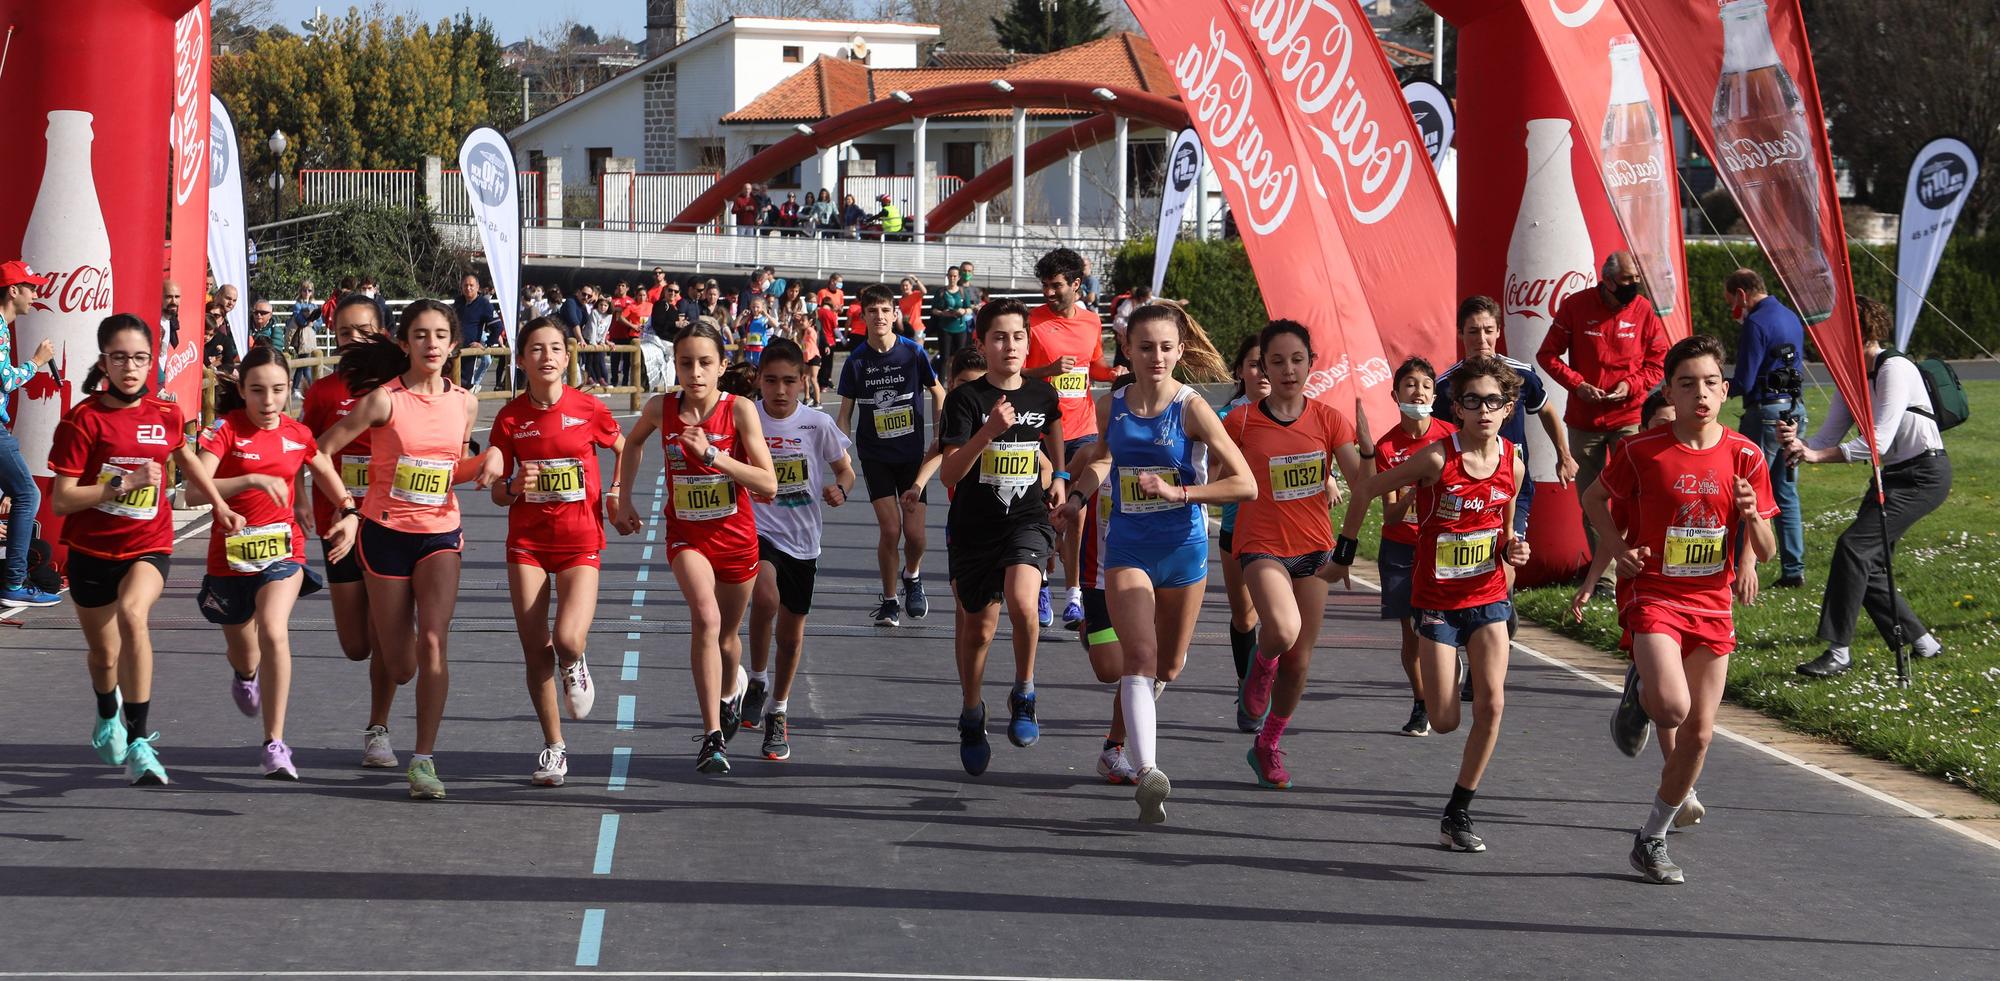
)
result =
(1769, 366)
(1916, 478)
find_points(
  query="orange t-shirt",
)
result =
(1081, 336)
(913, 312)
(1291, 514)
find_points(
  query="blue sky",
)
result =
(512, 20)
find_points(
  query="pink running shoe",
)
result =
(245, 693)
(278, 761)
(1257, 684)
(1268, 762)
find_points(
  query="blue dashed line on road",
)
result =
(590, 938)
(638, 597)
(628, 709)
(621, 765)
(645, 573)
(631, 668)
(607, 841)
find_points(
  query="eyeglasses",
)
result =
(261, 313)
(139, 360)
(1474, 403)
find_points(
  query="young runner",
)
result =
(1680, 499)
(356, 318)
(885, 378)
(998, 527)
(804, 444)
(108, 457)
(1066, 350)
(1158, 435)
(1465, 488)
(420, 425)
(548, 438)
(1251, 385)
(253, 456)
(714, 446)
(1284, 534)
(1397, 556)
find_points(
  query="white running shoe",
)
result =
(1115, 768)
(551, 767)
(1691, 812)
(578, 693)
(375, 751)
(1152, 796)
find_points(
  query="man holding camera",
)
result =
(1769, 359)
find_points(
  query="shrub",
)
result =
(1214, 277)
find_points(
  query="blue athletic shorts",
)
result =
(1170, 566)
(1452, 627)
(227, 601)
(1397, 563)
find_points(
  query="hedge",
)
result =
(1216, 280)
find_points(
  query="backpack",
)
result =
(1949, 405)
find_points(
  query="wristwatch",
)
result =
(708, 457)
(116, 483)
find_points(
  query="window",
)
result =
(961, 160)
(712, 158)
(597, 156)
(789, 179)
(1147, 162)
(538, 161)
(794, 53)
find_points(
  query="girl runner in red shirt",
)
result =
(1679, 500)
(357, 318)
(108, 458)
(555, 527)
(410, 539)
(715, 452)
(1465, 487)
(1416, 384)
(255, 575)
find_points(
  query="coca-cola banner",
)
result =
(1744, 72)
(1300, 254)
(487, 164)
(227, 246)
(1615, 96)
(1941, 177)
(1183, 173)
(1430, 108)
(179, 351)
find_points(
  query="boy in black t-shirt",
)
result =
(994, 432)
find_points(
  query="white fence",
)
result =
(453, 204)
(396, 188)
(640, 201)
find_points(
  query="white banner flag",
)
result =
(1183, 178)
(1940, 180)
(227, 257)
(486, 162)
(1431, 108)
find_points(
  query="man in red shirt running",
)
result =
(1066, 349)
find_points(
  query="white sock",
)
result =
(916, 573)
(1928, 646)
(1839, 653)
(1076, 595)
(781, 705)
(761, 677)
(1135, 696)
(1661, 819)
(558, 745)
(416, 758)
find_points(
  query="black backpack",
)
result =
(1949, 405)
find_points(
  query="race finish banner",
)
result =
(227, 253)
(179, 352)
(1183, 176)
(1749, 65)
(1265, 167)
(1613, 90)
(486, 161)
(1430, 108)
(1941, 177)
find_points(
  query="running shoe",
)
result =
(142, 765)
(914, 599)
(1630, 728)
(278, 761)
(26, 595)
(551, 767)
(375, 751)
(1464, 678)
(424, 783)
(1455, 834)
(108, 738)
(1268, 762)
(973, 750)
(1073, 616)
(1649, 859)
(1022, 729)
(732, 707)
(1691, 812)
(1115, 768)
(1152, 796)
(244, 692)
(777, 733)
(1256, 693)
(753, 703)
(578, 693)
(712, 757)
(1420, 722)
(1043, 614)
(887, 615)
(1159, 688)
(1245, 722)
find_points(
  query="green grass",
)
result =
(1947, 723)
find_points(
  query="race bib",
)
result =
(897, 421)
(561, 482)
(139, 504)
(255, 549)
(794, 485)
(1072, 384)
(354, 473)
(1133, 500)
(1298, 476)
(1692, 552)
(421, 481)
(703, 497)
(1009, 468)
(1466, 554)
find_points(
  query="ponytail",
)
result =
(1200, 361)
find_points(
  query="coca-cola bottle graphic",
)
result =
(1638, 174)
(66, 240)
(1762, 138)
(1548, 258)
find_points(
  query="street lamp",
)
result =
(277, 145)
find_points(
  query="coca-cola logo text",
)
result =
(1575, 18)
(1538, 298)
(178, 361)
(190, 47)
(1627, 173)
(1223, 108)
(1753, 154)
(83, 289)
(1373, 176)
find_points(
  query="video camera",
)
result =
(1784, 378)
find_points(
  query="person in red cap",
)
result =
(22, 285)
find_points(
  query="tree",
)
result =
(1041, 26)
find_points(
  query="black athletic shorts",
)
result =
(393, 554)
(979, 563)
(345, 570)
(1298, 566)
(795, 576)
(1097, 619)
(891, 479)
(94, 582)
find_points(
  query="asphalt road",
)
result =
(871, 851)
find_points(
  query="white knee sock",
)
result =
(1135, 696)
(1660, 819)
(1928, 646)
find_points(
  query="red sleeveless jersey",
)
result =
(705, 509)
(1462, 533)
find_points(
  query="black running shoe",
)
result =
(1826, 665)
(1649, 859)
(776, 731)
(1420, 722)
(889, 614)
(711, 758)
(732, 707)
(974, 753)
(1464, 677)
(914, 599)
(1630, 727)
(1455, 833)
(753, 703)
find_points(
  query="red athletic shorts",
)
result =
(551, 560)
(732, 568)
(1691, 630)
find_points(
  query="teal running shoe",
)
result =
(142, 764)
(110, 740)
(424, 783)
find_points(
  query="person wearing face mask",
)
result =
(1608, 348)
(1769, 355)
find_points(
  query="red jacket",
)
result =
(1605, 347)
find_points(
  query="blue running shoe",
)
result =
(26, 595)
(1022, 730)
(109, 739)
(142, 765)
(1073, 617)
(1043, 614)
(973, 750)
